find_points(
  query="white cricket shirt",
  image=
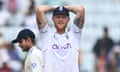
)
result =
(60, 52)
(33, 61)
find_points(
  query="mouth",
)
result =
(60, 23)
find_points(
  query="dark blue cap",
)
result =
(25, 33)
(61, 11)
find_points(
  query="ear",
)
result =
(68, 18)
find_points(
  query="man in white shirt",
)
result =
(33, 61)
(60, 47)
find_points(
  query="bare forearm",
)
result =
(79, 21)
(73, 9)
(80, 14)
(41, 19)
(40, 15)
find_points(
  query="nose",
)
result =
(61, 18)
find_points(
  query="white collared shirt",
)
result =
(60, 52)
(33, 61)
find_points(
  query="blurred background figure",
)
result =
(114, 57)
(30, 18)
(12, 5)
(16, 16)
(102, 49)
(30, 15)
(4, 15)
(9, 57)
(4, 56)
(5, 68)
(13, 53)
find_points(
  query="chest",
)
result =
(60, 44)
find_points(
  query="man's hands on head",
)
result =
(80, 14)
(78, 10)
(40, 15)
(46, 8)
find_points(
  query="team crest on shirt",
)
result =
(33, 65)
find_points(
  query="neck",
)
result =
(31, 45)
(60, 31)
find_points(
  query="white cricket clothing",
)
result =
(4, 17)
(60, 52)
(33, 61)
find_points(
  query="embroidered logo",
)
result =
(66, 46)
(33, 65)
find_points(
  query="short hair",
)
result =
(105, 29)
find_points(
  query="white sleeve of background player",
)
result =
(36, 64)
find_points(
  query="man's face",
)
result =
(23, 43)
(60, 21)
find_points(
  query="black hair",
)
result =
(105, 29)
(33, 40)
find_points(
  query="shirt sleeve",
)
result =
(75, 34)
(44, 29)
(76, 29)
(36, 64)
(44, 32)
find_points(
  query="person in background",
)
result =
(101, 50)
(5, 68)
(114, 57)
(33, 60)
(30, 19)
(4, 15)
(16, 16)
(4, 56)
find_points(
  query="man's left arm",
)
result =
(80, 15)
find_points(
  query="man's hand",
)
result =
(80, 14)
(40, 15)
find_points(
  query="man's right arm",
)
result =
(40, 15)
